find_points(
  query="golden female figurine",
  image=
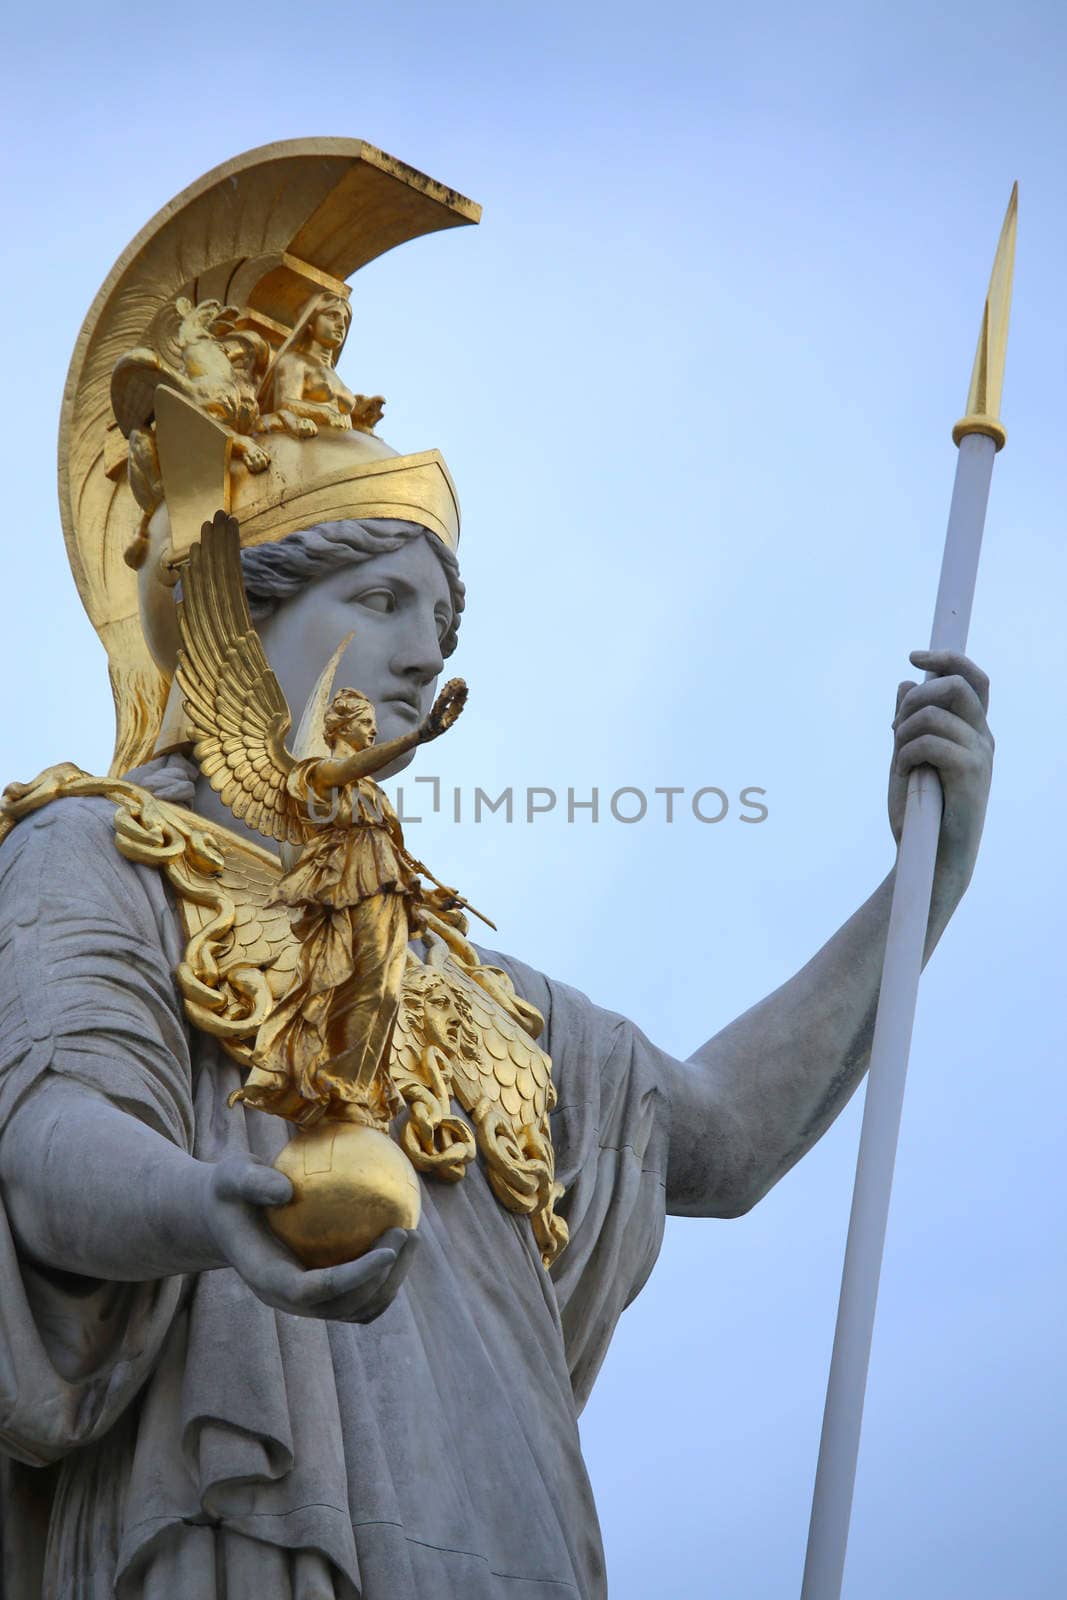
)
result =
(302, 392)
(321, 1056)
(355, 893)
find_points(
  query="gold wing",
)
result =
(310, 737)
(234, 701)
(502, 1080)
(241, 953)
(262, 933)
(502, 1062)
(509, 1067)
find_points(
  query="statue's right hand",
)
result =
(446, 708)
(358, 1291)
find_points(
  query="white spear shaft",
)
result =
(979, 435)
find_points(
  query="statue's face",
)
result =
(363, 729)
(397, 607)
(357, 733)
(330, 325)
(442, 1018)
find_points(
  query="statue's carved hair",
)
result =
(274, 573)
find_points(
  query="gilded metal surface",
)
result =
(462, 1033)
(239, 958)
(265, 235)
(987, 378)
(354, 889)
(211, 357)
(233, 699)
(321, 479)
(302, 392)
(350, 1183)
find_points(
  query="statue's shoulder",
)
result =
(69, 805)
(61, 872)
(239, 952)
(74, 819)
(62, 815)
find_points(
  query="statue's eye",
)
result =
(383, 600)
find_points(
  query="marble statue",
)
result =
(186, 1408)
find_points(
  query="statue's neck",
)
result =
(323, 353)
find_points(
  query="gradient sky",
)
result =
(695, 376)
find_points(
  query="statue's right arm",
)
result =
(334, 774)
(330, 774)
(96, 1168)
(93, 1191)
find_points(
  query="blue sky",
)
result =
(695, 376)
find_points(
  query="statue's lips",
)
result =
(402, 702)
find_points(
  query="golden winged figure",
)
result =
(354, 894)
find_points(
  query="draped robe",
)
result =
(181, 1438)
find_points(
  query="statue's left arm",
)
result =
(750, 1102)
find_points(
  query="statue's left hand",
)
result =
(941, 723)
(357, 1291)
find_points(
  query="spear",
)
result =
(978, 435)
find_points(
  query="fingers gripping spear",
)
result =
(979, 436)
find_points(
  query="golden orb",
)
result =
(350, 1183)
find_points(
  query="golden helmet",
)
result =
(204, 378)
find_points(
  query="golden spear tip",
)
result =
(987, 379)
